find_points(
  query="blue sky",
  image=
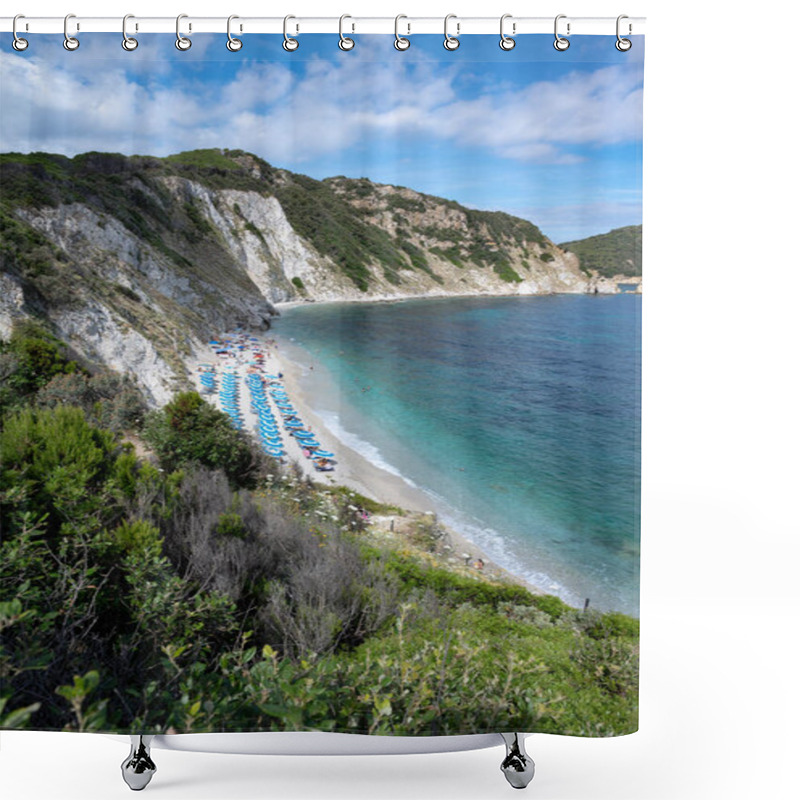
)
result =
(554, 137)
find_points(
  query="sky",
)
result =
(554, 137)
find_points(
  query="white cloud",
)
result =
(323, 107)
(565, 223)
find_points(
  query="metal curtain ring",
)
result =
(561, 43)
(128, 42)
(400, 42)
(506, 42)
(623, 45)
(70, 42)
(345, 43)
(19, 43)
(451, 42)
(289, 44)
(181, 42)
(233, 44)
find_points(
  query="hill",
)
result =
(613, 254)
(132, 260)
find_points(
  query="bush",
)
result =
(54, 463)
(108, 400)
(453, 588)
(551, 605)
(190, 431)
(32, 357)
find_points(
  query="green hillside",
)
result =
(618, 252)
(340, 217)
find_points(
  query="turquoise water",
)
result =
(518, 416)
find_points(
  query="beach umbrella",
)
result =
(323, 454)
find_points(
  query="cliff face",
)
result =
(134, 261)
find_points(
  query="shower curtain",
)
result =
(320, 384)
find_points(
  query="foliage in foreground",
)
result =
(165, 597)
(190, 431)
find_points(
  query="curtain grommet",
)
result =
(19, 44)
(70, 42)
(451, 42)
(290, 44)
(507, 42)
(401, 43)
(345, 42)
(182, 42)
(128, 42)
(233, 44)
(561, 43)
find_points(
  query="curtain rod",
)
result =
(514, 26)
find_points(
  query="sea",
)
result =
(519, 417)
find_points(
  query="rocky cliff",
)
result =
(135, 260)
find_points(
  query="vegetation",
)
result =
(158, 572)
(188, 431)
(618, 252)
(398, 201)
(317, 213)
(337, 216)
(200, 589)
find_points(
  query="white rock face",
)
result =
(104, 242)
(12, 300)
(142, 313)
(97, 336)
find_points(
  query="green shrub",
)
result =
(230, 524)
(615, 624)
(454, 588)
(36, 357)
(551, 605)
(190, 431)
(54, 463)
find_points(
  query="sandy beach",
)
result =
(351, 468)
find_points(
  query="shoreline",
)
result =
(352, 470)
(401, 298)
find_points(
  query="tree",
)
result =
(190, 431)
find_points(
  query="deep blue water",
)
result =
(520, 416)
